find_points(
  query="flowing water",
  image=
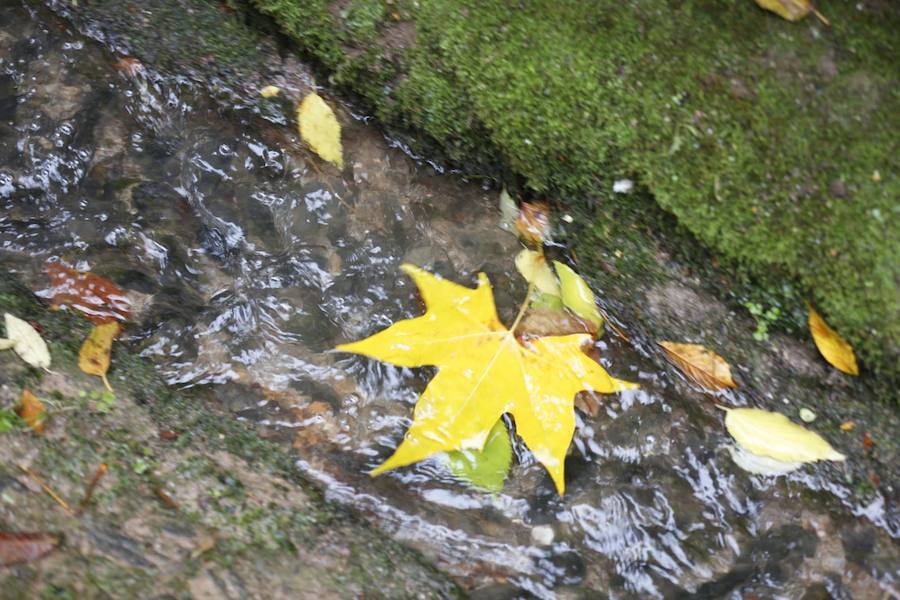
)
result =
(250, 259)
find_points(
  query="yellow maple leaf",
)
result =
(320, 129)
(832, 346)
(483, 372)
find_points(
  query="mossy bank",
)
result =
(773, 143)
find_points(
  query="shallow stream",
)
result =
(250, 259)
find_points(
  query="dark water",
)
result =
(249, 260)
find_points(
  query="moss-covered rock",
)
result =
(771, 142)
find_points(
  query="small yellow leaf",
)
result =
(774, 435)
(270, 91)
(534, 268)
(790, 10)
(93, 358)
(26, 342)
(701, 365)
(31, 410)
(320, 129)
(577, 296)
(832, 346)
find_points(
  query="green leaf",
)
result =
(577, 296)
(487, 469)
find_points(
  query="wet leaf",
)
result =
(26, 342)
(577, 296)
(485, 469)
(540, 322)
(32, 411)
(534, 268)
(848, 426)
(100, 300)
(832, 346)
(320, 129)
(93, 358)
(701, 365)
(791, 10)
(760, 465)
(775, 436)
(270, 91)
(509, 211)
(533, 223)
(484, 372)
(25, 547)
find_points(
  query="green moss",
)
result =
(773, 143)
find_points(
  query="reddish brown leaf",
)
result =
(533, 223)
(99, 299)
(31, 410)
(25, 547)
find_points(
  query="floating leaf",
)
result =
(320, 129)
(533, 223)
(31, 410)
(542, 322)
(485, 469)
(26, 342)
(93, 358)
(25, 547)
(483, 372)
(100, 300)
(702, 366)
(774, 435)
(832, 346)
(270, 91)
(534, 268)
(760, 465)
(577, 296)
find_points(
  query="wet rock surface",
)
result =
(254, 259)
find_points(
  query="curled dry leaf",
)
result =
(773, 435)
(577, 296)
(701, 365)
(32, 411)
(484, 372)
(99, 299)
(836, 351)
(533, 223)
(93, 358)
(320, 129)
(19, 547)
(534, 268)
(26, 342)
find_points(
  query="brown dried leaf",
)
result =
(541, 322)
(702, 366)
(32, 411)
(25, 547)
(533, 223)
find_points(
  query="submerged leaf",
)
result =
(832, 346)
(320, 129)
(483, 372)
(534, 268)
(25, 547)
(509, 211)
(93, 358)
(700, 365)
(485, 469)
(100, 300)
(31, 410)
(27, 342)
(270, 91)
(774, 435)
(760, 465)
(577, 296)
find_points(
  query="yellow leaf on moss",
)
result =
(577, 296)
(320, 129)
(832, 346)
(701, 365)
(483, 372)
(31, 410)
(790, 10)
(534, 268)
(26, 342)
(774, 435)
(93, 358)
